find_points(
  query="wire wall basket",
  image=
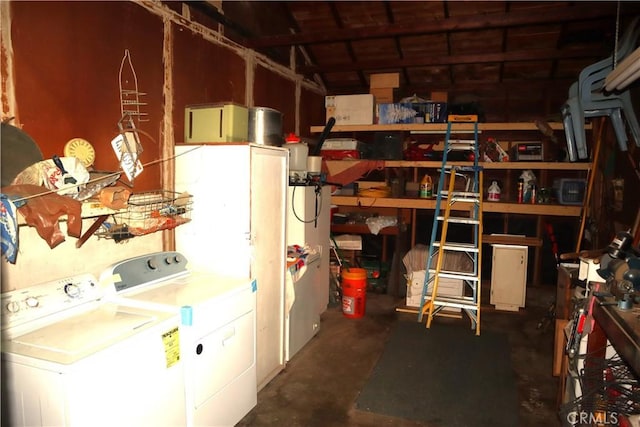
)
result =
(150, 212)
(609, 391)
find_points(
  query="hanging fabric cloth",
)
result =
(8, 228)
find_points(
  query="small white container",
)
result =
(314, 165)
(493, 193)
(298, 153)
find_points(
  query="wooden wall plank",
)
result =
(203, 73)
(273, 91)
(67, 61)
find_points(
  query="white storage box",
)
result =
(446, 287)
(348, 242)
(340, 144)
(350, 109)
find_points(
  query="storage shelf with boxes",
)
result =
(379, 106)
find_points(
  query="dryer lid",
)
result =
(190, 290)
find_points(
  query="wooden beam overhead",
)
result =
(525, 55)
(496, 87)
(579, 12)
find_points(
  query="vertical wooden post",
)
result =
(592, 175)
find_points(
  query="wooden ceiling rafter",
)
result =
(388, 10)
(553, 70)
(505, 33)
(507, 55)
(470, 86)
(308, 57)
(578, 12)
(447, 15)
(211, 11)
(335, 14)
(513, 56)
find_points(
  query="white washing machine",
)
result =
(70, 359)
(217, 331)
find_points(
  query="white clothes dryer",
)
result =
(70, 359)
(217, 331)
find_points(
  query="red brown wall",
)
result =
(203, 73)
(312, 105)
(66, 63)
(274, 91)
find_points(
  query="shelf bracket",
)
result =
(94, 227)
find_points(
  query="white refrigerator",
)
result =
(308, 222)
(238, 228)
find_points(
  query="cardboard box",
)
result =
(341, 144)
(384, 80)
(430, 112)
(341, 148)
(382, 95)
(420, 112)
(350, 109)
(439, 96)
(352, 242)
(446, 286)
(389, 114)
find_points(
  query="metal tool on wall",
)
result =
(127, 145)
(130, 102)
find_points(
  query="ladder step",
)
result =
(467, 194)
(459, 247)
(461, 145)
(466, 303)
(440, 311)
(471, 276)
(460, 220)
(461, 168)
(469, 168)
(462, 199)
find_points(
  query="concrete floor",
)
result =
(320, 385)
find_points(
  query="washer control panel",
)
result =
(144, 270)
(44, 299)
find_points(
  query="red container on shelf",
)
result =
(340, 154)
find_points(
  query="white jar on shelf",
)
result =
(493, 193)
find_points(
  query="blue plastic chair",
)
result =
(587, 99)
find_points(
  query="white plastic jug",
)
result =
(298, 153)
(493, 192)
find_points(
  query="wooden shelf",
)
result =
(496, 207)
(502, 239)
(440, 127)
(436, 164)
(363, 229)
(340, 169)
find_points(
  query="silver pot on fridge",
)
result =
(265, 126)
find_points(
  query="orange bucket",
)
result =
(354, 292)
